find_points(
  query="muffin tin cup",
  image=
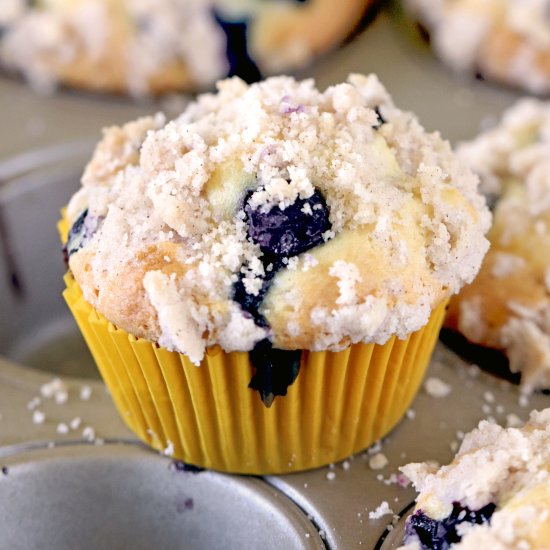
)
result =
(339, 404)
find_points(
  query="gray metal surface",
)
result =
(36, 330)
(116, 496)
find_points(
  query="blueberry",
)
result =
(288, 232)
(281, 234)
(275, 370)
(440, 534)
(81, 232)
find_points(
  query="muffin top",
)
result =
(507, 40)
(313, 219)
(154, 46)
(507, 305)
(495, 494)
(113, 45)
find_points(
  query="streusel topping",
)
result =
(332, 215)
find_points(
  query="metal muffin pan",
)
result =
(116, 490)
(36, 329)
(122, 496)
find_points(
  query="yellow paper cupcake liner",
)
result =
(339, 404)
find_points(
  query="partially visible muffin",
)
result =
(507, 307)
(495, 494)
(503, 40)
(155, 46)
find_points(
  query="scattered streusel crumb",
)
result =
(435, 387)
(382, 510)
(378, 461)
(38, 417)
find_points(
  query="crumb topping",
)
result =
(503, 466)
(406, 221)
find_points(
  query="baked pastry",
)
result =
(494, 494)
(275, 218)
(503, 40)
(507, 306)
(154, 46)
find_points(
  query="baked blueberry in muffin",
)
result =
(441, 534)
(281, 234)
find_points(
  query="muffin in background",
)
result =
(507, 306)
(300, 246)
(507, 41)
(145, 47)
(494, 494)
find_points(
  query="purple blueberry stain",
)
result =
(441, 534)
(4, 470)
(288, 108)
(184, 504)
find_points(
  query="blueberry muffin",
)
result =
(154, 46)
(495, 493)
(503, 40)
(506, 307)
(291, 227)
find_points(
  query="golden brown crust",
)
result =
(495, 290)
(120, 295)
(318, 289)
